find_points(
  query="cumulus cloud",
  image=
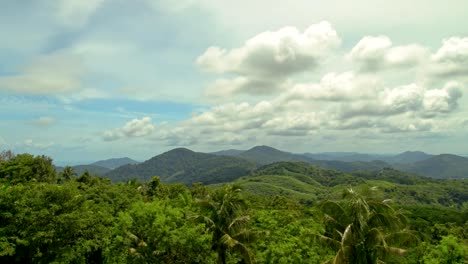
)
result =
(411, 98)
(336, 87)
(372, 54)
(338, 102)
(269, 58)
(51, 74)
(132, 129)
(451, 60)
(43, 121)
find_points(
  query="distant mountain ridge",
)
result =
(435, 166)
(115, 162)
(443, 166)
(347, 156)
(409, 157)
(92, 169)
(267, 155)
(186, 166)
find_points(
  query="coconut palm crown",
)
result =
(223, 213)
(364, 230)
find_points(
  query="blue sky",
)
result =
(88, 80)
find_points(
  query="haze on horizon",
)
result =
(89, 80)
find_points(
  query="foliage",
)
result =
(448, 251)
(26, 167)
(362, 229)
(158, 232)
(276, 217)
(225, 218)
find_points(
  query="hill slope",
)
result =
(114, 163)
(409, 157)
(444, 166)
(267, 155)
(186, 166)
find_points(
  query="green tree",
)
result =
(448, 251)
(26, 167)
(361, 229)
(224, 215)
(158, 232)
(68, 173)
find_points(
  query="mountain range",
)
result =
(186, 166)
(100, 167)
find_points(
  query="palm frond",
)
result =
(204, 219)
(239, 221)
(245, 252)
(229, 241)
(329, 241)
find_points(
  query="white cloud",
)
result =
(336, 87)
(43, 121)
(411, 98)
(372, 54)
(135, 128)
(451, 60)
(51, 74)
(442, 100)
(269, 58)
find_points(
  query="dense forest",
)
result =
(283, 212)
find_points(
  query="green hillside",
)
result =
(115, 163)
(444, 166)
(186, 166)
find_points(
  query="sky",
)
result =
(84, 80)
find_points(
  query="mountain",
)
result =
(92, 169)
(350, 166)
(409, 157)
(186, 166)
(444, 166)
(310, 184)
(267, 155)
(228, 152)
(346, 156)
(114, 163)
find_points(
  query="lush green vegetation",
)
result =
(287, 212)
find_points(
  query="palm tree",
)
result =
(225, 218)
(362, 229)
(68, 173)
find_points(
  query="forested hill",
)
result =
(115, 163)
(186, 166)
(444, 166)
(267, 155)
